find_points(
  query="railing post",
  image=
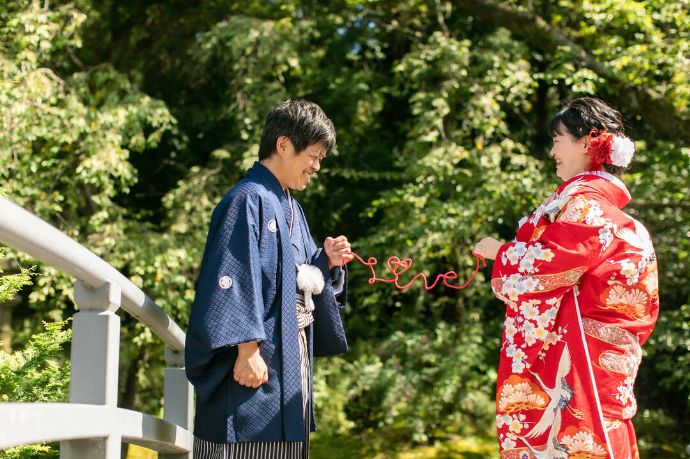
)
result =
(178, 397)
(95, 360)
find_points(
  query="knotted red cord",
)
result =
(397, 267)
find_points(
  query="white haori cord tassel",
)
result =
(310, 281)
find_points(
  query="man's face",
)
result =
(299, 167)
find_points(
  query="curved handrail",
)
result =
(26, 232)
(31, 423)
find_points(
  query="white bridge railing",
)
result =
(91, 425)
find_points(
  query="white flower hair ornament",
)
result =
(311, 282)
(607, 148)
(622, 151)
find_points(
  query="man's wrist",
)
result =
(247, 349)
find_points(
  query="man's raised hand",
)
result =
(338, 250)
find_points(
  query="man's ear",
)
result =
(283, 146)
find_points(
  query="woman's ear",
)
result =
(585, 142)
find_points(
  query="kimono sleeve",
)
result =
(532, 278)
(229, 307)
(329, 333)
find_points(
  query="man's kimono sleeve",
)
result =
(229, 307)
(532, 278)
(329, 333)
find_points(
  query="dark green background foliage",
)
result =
(124, 122)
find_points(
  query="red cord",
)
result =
(397, 267)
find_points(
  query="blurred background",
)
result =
(123, 123)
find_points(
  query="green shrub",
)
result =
(413, 388)
(38, 373)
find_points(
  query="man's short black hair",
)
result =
(302, 121)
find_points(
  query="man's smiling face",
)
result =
(299, 167)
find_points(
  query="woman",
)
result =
(580, 285)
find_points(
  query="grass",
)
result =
(355, 447)
(139, 452)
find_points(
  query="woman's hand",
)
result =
(487, 248)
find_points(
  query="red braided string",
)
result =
(397, 267)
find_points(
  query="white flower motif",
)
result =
(515, 426)
(516, 285)
(518, 367)
(594, 214)
(551, 313)
(544, 320)
(502, 419)
(540, 333)
(622, 151)
(514, 253)
(528, 331)
(551, 339)
(508, 443)
(529, 310)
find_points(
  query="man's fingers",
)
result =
(339, 239)
(250, 381)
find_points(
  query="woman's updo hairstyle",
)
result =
(591, 117)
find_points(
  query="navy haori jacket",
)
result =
(246, 292)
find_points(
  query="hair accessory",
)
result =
(607, 148)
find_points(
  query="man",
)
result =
(267, 300)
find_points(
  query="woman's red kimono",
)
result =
(580, 285)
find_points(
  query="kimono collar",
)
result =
(263, 175)
(607, 184)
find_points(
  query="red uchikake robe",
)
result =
(581, 288)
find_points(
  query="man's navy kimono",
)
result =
(246, 292)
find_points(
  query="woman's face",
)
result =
(569, 153)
